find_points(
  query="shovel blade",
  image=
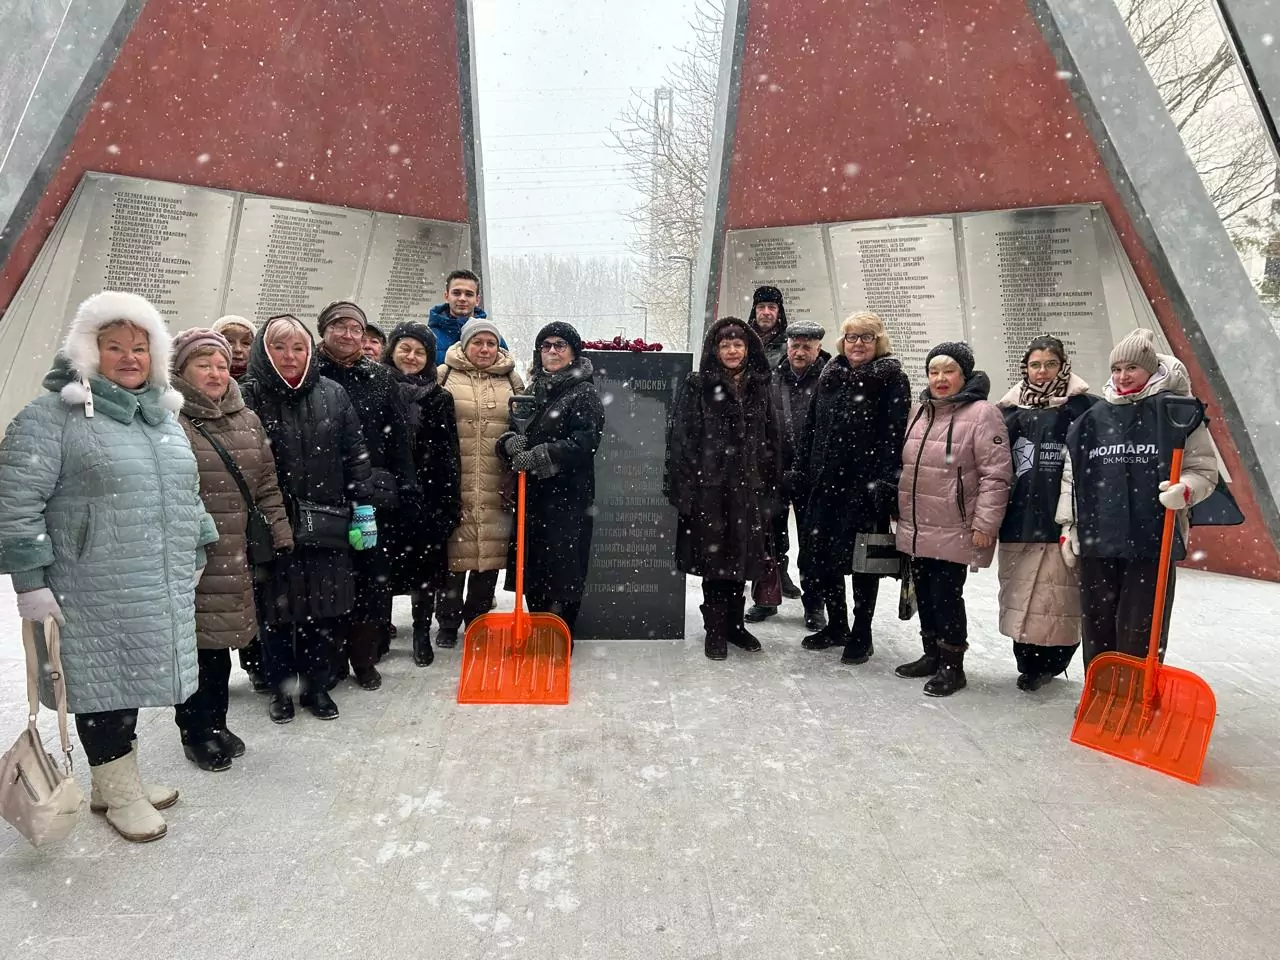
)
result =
(1172, 739)
(499, 667)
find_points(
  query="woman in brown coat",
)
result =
(481, 377)
(213, 411)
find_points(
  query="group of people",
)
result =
(169, 499)
(1068, 488)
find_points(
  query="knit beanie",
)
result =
(477, 325)
(564, 331)
(188, 341)
(414, 331)
(958, 351)
(340, 310)
(231, 320)
(1138, 347)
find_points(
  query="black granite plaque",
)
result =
(633, 589)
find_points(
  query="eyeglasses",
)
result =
(352, 329)
(1046, 366)
(859, 338)
(553, 346)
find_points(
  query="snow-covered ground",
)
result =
(771, 806)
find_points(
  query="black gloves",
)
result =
(512, 443)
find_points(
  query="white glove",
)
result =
(38, 604)
(1176, 496)
(1069, 544)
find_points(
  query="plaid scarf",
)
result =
(1044, 395)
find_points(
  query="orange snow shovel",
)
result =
(1140, 710)
(516, 657)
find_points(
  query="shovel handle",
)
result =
(519, 628)
(1152, 670)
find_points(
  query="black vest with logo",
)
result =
(1117, 466)
(1037, 440)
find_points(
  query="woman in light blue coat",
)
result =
(103, 529)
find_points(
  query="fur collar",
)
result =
(81, 344)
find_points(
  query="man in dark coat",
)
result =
(557, 453)
(724, 467)
(769, 320)
(795, 379)
(394, 483)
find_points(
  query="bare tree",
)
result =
(1193, 66)
(667, 137)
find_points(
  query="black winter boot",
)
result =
(759, 612)
(280, 710)
(738, 635)
(715, 623)
(950, 675)
(926, 666)
(789, 588)
(836, 631)
(205, 751)
(860, 647)
(815, 618)
(423, 655)
(232, 745)
(447, 637)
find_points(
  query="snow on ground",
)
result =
(771, 806)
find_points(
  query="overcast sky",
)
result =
(554, 75)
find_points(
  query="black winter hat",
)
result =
(767, 294)
(418, 331)
(557, 328)
(376, 330)
(958, 351)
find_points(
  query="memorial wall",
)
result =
(995, 279)
(633, 589)
(198, 253)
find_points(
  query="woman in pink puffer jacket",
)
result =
(956, 472)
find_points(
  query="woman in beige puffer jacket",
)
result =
(481, 377)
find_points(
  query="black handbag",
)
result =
(321, 525)
(259, 544)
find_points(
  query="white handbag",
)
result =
(40, 798)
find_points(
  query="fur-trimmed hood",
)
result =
(80, 348)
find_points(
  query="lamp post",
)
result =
(639, 306)
(688, 262)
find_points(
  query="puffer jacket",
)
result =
(480, 402)
(956, 472)
(105, 511)
(224, 598)
(1115, 416)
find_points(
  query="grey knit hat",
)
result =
(957, 350)
(805, 330)
(1138, 347)
(477, 325)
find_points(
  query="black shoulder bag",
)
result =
(258, 542)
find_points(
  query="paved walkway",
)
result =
(776, 806)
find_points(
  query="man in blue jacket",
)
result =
(461, 303)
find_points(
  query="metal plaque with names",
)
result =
(1032, 272)
(793, 259)
(905, 272)
(296, 258)
(633, 589)
(408, 262)
(164, 241)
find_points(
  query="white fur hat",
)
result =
(81, 344)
